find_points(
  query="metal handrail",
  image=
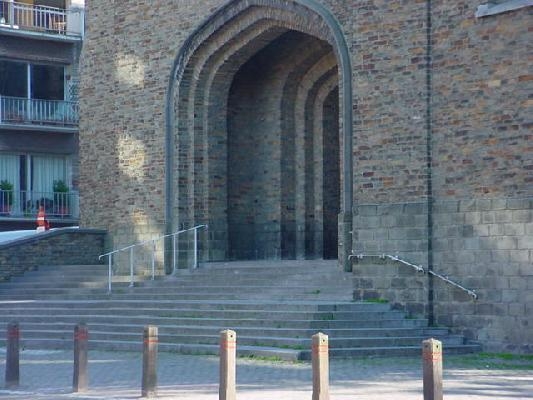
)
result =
(418, 268)
(453, 283)
(131, 248)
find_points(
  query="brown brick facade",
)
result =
(441, 156)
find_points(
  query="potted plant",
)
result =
(61, 202)
(6, 196)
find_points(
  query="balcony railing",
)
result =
(17, 110)
(43, 19)
(25, 204)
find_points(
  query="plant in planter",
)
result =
(6, 196)
(61, 198)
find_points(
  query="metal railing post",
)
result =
(153, 259)
(131, 266)
(195, 256)
(175, 250)
(174, 255)
(11, 13)
(110, 272)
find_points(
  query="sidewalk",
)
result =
(117, 375)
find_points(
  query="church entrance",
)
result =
(283, 153)
(257, 140)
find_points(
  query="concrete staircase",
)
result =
(275, 307)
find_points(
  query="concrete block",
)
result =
(524, 242)
(520, 255)
(488, 218)
(523, 216)
(506, 243)
(514, 229)
(467, 231)
(446, 207)
(415, 208)
(371, 222)
(500, 255)
(467, 205)
(510, 296)
(367, 210)
(517, 309)
(473, 218)
(483, 204)
(365, 234)
(482, 230)
(499, 204)
(471, 243)
(519, 204)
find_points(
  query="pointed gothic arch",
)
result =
(200, 88)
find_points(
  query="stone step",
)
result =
(275, 307)
(242, 350)
(126, 294)
(279, 315)
(201, 305)
(221, 322)
(193, 330)
(391, 351)
(256, 340)
(26, 286)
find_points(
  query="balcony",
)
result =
(39, 21)
(21, 113)
(25, 204)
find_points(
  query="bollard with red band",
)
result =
(320, 361)
(80, 381)
(228, 352)
(12, 356)
(432, 369)
(42, 222)
(149, 373)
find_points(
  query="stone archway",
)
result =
(255, 95)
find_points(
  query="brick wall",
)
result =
(467, 115)
(57, 247)
(479, 226)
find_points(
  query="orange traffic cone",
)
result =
(42, 223)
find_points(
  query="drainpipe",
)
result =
(429, 158)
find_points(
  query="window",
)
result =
(13, 79)
(46, 82)
(33, 177)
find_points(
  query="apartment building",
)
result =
(40, 44)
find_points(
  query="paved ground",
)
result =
(116, 375)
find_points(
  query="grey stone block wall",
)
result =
(68, 246)
(396, 229)
(487, 246)
(401, 286)
(399, 229)
(484, 245)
